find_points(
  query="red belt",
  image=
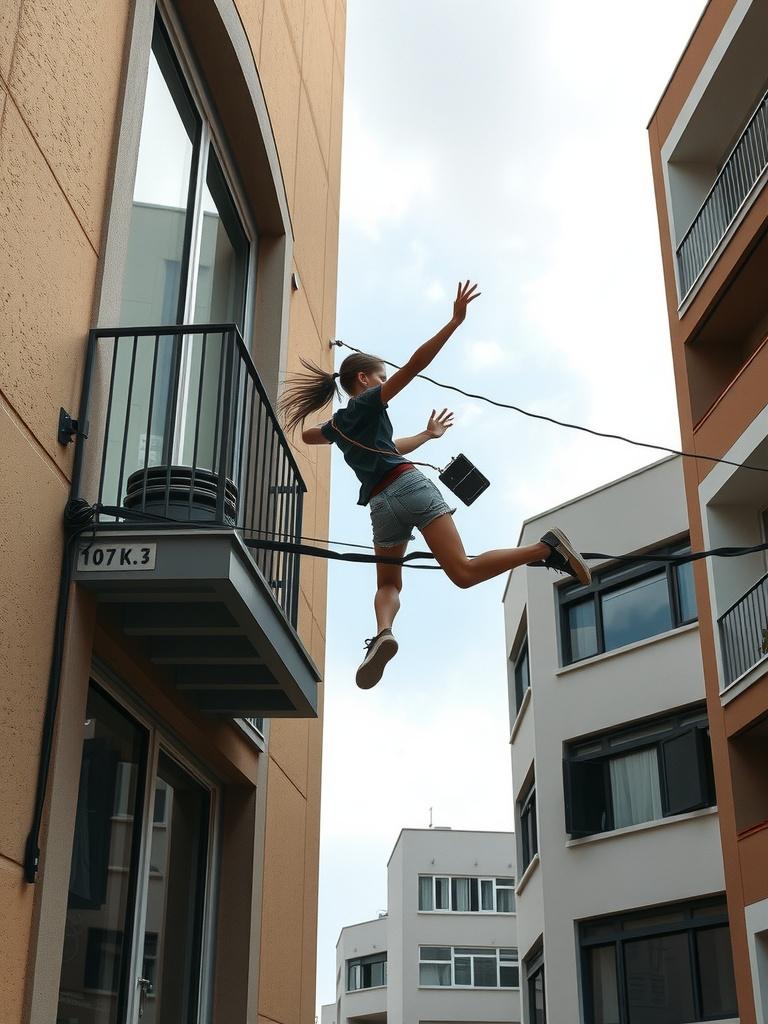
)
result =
(388, 477)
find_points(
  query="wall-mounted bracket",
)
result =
(69, 429)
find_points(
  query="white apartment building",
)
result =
(621, 911)
(446, 951)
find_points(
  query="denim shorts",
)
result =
(410, 500)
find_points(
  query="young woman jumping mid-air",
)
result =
(399, 495)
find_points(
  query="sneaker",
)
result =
(380, 650)
(564, 557)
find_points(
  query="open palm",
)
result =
(465, 293)
(438, 425)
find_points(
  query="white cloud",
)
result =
(485, 355)
(435, 292)
(380, 183)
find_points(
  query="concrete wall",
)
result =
(66, 72)
(434, 851)
(639, 867)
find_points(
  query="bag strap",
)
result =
(379, 451)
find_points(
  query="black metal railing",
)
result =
(744, 166)
(744, 630)
(188, 434)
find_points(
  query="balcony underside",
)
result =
(206, 615)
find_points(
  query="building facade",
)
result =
(709, 148)
(446, 950)
(621, 913)
(162, 164)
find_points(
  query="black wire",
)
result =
(562, 423)
(292, 547)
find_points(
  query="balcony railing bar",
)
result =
(217, 454)
(742, 169)
(741, 631)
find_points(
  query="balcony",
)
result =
(190, 471)
(739, 176)
(744, 632)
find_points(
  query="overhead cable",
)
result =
(563, 423)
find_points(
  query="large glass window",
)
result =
(367, 972)
(465, 894)
(640, 773)
(537, 1002)
(670, 966)
(625, 604)
(468, 967)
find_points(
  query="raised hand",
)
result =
(464, 295)
(438, 425)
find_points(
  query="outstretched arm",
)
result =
(436, 427)
(425, 353)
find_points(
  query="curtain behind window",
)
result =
(635, 788)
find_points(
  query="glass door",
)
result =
(169, 982)
(134, 947)
(189, 260)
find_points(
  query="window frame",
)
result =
(645, 734)
(614, 578)
(534, 967)
(450, 909)
(691, 924)
(359, 963)
(523, 657)
(511, 955)
(529, 836)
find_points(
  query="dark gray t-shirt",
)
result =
(365, 420)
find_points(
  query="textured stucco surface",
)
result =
(65, 80)
(47, 271)
(15, 915)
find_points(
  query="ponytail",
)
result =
(306, 393)
(311, 391)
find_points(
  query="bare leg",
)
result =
(389, 583)
(445, 544)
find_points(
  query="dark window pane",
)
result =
(485, 972)
(685, 592)
(586, 802)
(442, 894)
(462, 970)
(684, 760)
(537, 1005)
(659, 984)
(509, 976)
(522, 676)
(718, 988)
(636, 611)
(604, 987)
(505, 901)
(435, 953)
(582, 632)
(486, 894)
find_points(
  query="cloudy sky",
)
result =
(503, 142)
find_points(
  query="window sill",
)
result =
(487, 988)
(732, 690)
(468, 913)
(370, 988)
(642, 827)
(519, 716)
(585, 662)
(523, 881)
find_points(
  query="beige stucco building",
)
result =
(162, 163)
